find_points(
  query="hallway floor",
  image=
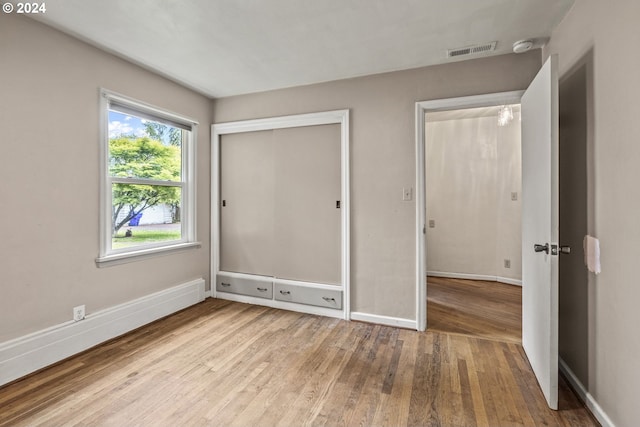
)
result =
(477, 308)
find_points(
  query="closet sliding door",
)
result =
(307, 222)
(247, 203)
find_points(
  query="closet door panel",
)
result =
(307, 223)
(247, 203)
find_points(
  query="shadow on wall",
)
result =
(576, 202)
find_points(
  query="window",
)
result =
(148, 192)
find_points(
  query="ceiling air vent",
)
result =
(471, 50)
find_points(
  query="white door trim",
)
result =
(340, 117)
(422, 108)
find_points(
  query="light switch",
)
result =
(514, 196)
(407, 194)
(432, 223)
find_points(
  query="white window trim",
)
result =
(107, 255)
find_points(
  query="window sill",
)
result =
(126, 257)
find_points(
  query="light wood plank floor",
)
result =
(225, 363)
(475, 307)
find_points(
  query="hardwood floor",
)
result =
(475, 307)
(226, 363)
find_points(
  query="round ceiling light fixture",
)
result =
(522, 46)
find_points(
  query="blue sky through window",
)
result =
(121, 124)
(125, 125)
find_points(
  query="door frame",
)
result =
(422, 108)
(340, 117)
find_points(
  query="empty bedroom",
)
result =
(280, 213)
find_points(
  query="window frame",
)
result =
(187, 183)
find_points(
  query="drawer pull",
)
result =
(226, 285)
(327, 299)
(285, 292)
(262, 289)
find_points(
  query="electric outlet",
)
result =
(407, 194)
(432, 223)
(507, 263)
(78, 313)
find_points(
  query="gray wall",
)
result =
(49, 179)
(608, 29)
(383, 159)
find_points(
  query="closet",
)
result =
(280, 214)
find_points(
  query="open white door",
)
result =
(540, 215)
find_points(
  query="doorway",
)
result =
(540, 247)
(422, 109)
(473, 212)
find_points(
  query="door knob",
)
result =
(541, 248)
(555, 249)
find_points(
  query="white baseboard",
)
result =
(468, 276)
(586, 397)
(384, 320)
(29, 353)
(509, 281)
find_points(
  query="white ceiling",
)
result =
(230, 47)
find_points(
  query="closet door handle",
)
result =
(262, 289)
(285, 292)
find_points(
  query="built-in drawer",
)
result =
(321, 297)
(258, 287)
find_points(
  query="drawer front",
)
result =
(252, 287)
(311, 296)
